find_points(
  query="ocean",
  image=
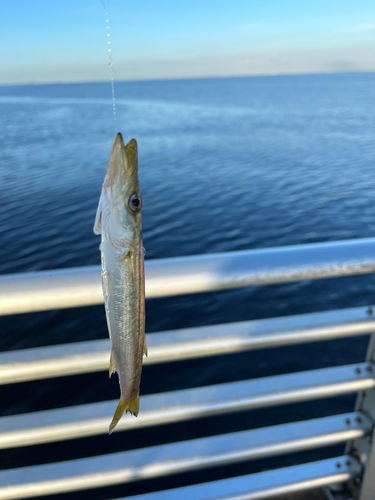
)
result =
(225, 164)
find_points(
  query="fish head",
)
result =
(122, 178)
(121, 202)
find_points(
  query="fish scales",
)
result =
(129, 316)
(119, 222)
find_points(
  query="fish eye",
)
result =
(135, 203)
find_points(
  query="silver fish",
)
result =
(119, 221)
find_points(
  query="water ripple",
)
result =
(224, 165)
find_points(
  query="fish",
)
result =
(119, 221)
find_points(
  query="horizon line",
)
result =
(135, 80)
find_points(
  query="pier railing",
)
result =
(354, 469)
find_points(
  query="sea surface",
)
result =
(225, 164)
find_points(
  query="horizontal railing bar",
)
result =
(177, 406)
(267, 484)
(64, 288)
(176, 345)
(168, 459)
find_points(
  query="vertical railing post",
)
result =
(363, 449)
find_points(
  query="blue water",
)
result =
(225, 164)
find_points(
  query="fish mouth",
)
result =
(123, 164)
(119, 140)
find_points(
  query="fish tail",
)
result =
(131, 406)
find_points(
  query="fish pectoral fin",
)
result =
(98, 219)
(112, 366)
(125, 253)
(131, 406)
(145, 350)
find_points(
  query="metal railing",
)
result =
(81, 287)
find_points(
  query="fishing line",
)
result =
(113, 72)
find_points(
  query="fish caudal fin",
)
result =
(131, 406)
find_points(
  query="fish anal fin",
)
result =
(112, 366)
(145, 350)
(131, 406)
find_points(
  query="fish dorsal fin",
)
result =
(112, 366)
(145, 350)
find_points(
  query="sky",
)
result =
(50, 41)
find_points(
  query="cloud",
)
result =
(358, 28)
